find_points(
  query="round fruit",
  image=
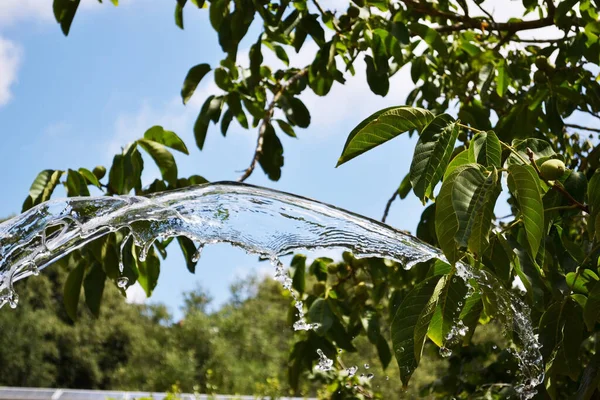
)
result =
(541, 62)
(552, 169)
(318, 288)
(361, 288)
(99, 172)
(333, 268)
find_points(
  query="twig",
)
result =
(322, 11)
(589, 112)
(267, 121)
(557, 40)
(389, 205)
(556, 185)
(469, 127)
(585, 128)
(490, 16)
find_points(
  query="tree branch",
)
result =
(389, 205)
(267, 121)
(585, 128)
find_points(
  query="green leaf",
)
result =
(470, 314)
(446, 221)
(286, 128)
(297, 113)
(319, 268)
(192, 79)
(72, 289)
(583, 281)
(299, 265)
(93, 287)
(189, 252)
(382, 126)
(474, 196)
(271, 157)
(377, 76)
(90, 177)
(591, 312)
(411, 322)
(485, 149)
(64, 12)
(540, 149)
(502, 79)
(590, 379)
(149, 270)
(217, 12)
(405, 187)
(460, 159)
(179, 13)
(320, 312)
(431, 37)
(524, 184)
(163, 159)
(593, 194)
(167, 138)
(76, 184)
(383, 351)
(448, 309)
(432, 153)
(42, 188)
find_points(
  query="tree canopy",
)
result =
(496, 107)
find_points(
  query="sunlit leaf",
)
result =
(382, 126)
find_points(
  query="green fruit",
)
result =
(318, 288)
(552, 169)
(542, 62)
(99, 172)
(361, 289)
(333, 268)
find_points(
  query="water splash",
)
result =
(325, 364)
(259, 220)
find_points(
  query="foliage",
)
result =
(512, 96)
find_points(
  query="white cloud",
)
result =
(135, 294)
(10, 60)
(12, 11)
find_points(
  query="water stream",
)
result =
(261, 221)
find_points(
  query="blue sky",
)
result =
(73, 102)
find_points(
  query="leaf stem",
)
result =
(469, 127)
(572, 206)
(514, 151)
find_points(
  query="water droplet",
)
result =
(508, 371)
(370, 376)
(325, 364)
(494, 347)
(460, 303)
(13, 300)
(387, 378)
(122, 282)
(352, 371)
(367, 366)
(362, 375)
(198, 253)
(445, 352)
